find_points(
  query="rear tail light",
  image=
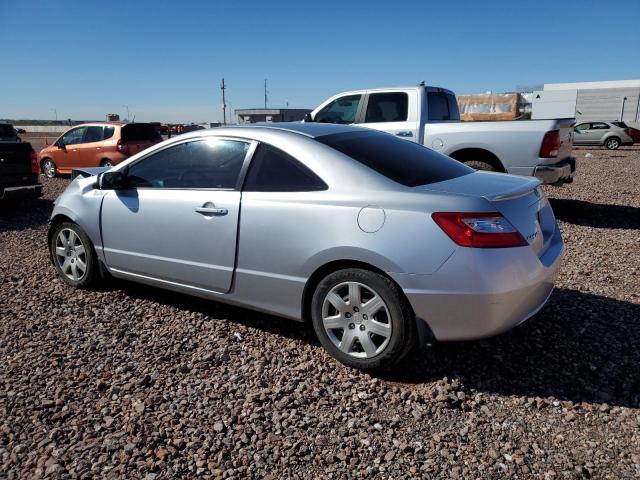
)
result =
(550, 144)
(122, 147)
(479, 230)
(35, 168)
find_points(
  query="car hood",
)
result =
(88, 172)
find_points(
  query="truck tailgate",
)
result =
(15, 158)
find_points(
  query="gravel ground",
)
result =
(135, 382)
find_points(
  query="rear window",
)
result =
(140, 132)
(442, 106)
(402, 161)
(620, 124)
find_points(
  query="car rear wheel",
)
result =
(73, 256)
(362, 319)
(107, 163)
(49, 168)
(480, 165)
(612, 143)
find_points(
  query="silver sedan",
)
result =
(379, 242)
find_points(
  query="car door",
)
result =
(581, 134)
(393, 112)
(598, 132)
(65, 155)
(86, 153)
(177, 220)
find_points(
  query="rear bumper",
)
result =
(557, 173)
(22, 191)
(489, 291)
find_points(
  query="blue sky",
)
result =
(165, 59)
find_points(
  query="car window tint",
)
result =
(108, 132)
(599, 126)
(387, 107)
(342, 110)
(272, 170)
(74, 136)
(93, 134)
(407, 163)
(442, 106)
(207, 163)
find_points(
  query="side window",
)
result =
(207, 163)
(442, 106)
(108, 132)
(93, 134)
(74, 136)
(341, 110)
(272, 170)
(599, 126)
(582, 127)
(387, 107)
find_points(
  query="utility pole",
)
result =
(224, 104)
(265, 93)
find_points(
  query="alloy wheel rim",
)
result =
(49, 168)
(71, 255)
(356, 319)
(613, 143)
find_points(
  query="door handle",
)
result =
(405, 133)
(209, 209)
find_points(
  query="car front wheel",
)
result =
(49, 169)
(73, 256)
(362, 319)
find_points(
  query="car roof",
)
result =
(309, 129)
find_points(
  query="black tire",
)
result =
(91, 274)
(612, 143)
(480, 165)
(403, 335)
(48, 168)
(107, 163)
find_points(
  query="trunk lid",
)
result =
(518, 199)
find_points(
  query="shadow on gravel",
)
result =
(25, 214)
(580, 347)
(596, 215)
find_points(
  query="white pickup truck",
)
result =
(429, 115)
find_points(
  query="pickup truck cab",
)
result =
(18, 167)
(430, 116)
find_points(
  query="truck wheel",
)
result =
(362, 319)
(49, 169)
(612, 143)
(479, 165)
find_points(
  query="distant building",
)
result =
(254, 115)
(609, 100)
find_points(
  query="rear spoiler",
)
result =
(87, 172)
(517, 192)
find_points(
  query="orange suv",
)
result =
(102, 144)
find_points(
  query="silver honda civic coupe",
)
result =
(379, 242)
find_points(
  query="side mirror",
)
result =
(308, 117)
(112, 180)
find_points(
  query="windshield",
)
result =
(402, 161)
